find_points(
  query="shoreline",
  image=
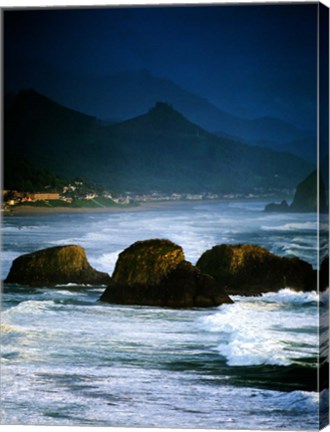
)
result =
(143, 206)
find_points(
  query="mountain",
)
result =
(21, 175)
(159, 150)
(126, 95)
(47, 134)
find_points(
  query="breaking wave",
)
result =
(272, 330)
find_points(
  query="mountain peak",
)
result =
(162, 106)
(162, 118)
(159, 150)
(36, 105)
(164, 110)
(28, 95)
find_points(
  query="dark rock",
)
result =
(154, 273)
(308, 198)
(273, 207)
(187, 286)
(54, 266)
(252, 270)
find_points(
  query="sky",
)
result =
(250, 60)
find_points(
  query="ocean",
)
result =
(68, 359)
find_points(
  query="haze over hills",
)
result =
(126, 95)
(159, 150)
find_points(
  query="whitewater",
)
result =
(68, 359)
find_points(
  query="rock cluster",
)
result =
(155, 273)
(55, 266)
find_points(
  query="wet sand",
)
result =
(144, 206)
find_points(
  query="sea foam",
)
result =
(259, 331)
(292, 226)
(289, 296)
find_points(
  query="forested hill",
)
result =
(128, 94)
(159, 150)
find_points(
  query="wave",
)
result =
(9, 255)
(308, 256)
(270, 330)
(66, 241)
(23, 228)
(292, 226)
(7, 258)
(293, 246)
(105, 262)
(300, 400)
(247, 206)
(29, 307)
(289, 296)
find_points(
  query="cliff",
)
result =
(310, 196)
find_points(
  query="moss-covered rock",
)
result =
(154, 273)
(54, 266)
(147, 262)
(251, 270)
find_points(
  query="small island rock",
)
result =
(55, 266)
(251, 270)
(310, 197)
(154, 273)
(274, 207)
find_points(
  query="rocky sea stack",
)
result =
(147, 262)
(309, 197)
(55, 266)
(252, 270)
(155, 273)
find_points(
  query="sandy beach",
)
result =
(143, 206)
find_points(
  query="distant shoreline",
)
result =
(32, 210)
(142, 206)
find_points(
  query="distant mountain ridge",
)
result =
(126, 95)
(159, 150)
